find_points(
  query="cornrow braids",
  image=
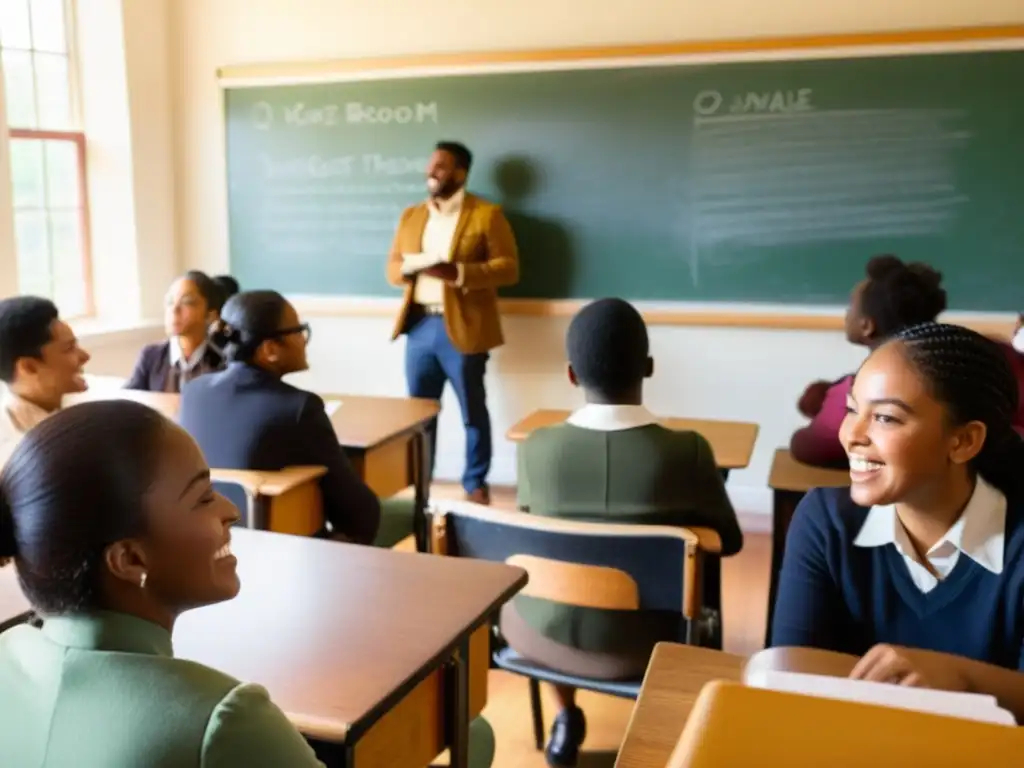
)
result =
(970, 374)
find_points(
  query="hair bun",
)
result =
(222, 334)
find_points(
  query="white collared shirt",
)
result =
(979, 533)
(17, 416)
(611, 418)
(438, 234)
(178, 359)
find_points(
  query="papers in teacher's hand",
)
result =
(331, 406)
(417, 262)
(968, 706)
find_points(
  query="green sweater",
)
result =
(646, 475)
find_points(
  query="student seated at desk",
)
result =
(246, 417)
(107, 510)
(926, 548)
(40, 363)
(192, 304)
(893, 295)
(610, 462)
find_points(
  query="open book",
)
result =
(417, 262)
(968, 706)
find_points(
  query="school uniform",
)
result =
(17, 416)
(614, 464)
(163, 367)
(850, 580)
(105, 691)
(246, 418)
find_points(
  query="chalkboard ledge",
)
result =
(762, 316)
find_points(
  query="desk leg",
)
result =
(457, 707)
(421, 485)
(784, 505)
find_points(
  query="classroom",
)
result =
(186, 130)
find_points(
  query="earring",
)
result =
(142, 581)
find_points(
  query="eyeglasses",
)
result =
(303, 328)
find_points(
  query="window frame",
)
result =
(75, 136)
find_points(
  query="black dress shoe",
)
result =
(567, 734)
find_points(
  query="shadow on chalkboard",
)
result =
(545, 248)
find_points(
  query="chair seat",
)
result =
(511, 661)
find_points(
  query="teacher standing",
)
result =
(450, 307)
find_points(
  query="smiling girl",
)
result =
(919, 565)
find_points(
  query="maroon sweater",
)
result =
(818, 442)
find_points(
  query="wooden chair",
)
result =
(731, 724)
(590, 565)
(287, 501)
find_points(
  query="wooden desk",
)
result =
(385, 437)
(731, 441)
(14, 606)
(790, 480)
(677, 674)
(674, 679)
(372, 649)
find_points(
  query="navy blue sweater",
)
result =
(841, 597)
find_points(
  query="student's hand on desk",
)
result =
(911, 667)
(813, 399)
(447, 272)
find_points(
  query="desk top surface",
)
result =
(361, 421)
(788, 474)
(335, 631)
(731, 441)
(675, 676)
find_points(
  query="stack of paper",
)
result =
(417, 262)
(968, 706)
(331, 406)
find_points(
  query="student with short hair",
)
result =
(192, 304)
(108, 514)
(610, 462)
(918, 566)
(40, 363)
(893, 295)
(247, 417)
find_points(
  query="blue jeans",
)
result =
(430, 360)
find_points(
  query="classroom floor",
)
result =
(744, 601)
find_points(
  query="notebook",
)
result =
(968, 706)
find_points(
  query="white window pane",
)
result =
(27, 174)
(48, 32)
(62, 182)
(33, 252)
(68, 262)
(14, 32)
(54, 90)
(20, 89)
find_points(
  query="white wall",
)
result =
(725, 373)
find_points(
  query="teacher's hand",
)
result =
(447, 272)
(911, 667)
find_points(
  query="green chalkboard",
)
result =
(739, 182)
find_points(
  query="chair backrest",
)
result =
(244, 495)
(598, 565)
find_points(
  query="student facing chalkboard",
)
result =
(892, 296)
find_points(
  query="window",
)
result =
(47, 151)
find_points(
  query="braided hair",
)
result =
(971, 376)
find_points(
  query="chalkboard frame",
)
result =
(847, 45)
